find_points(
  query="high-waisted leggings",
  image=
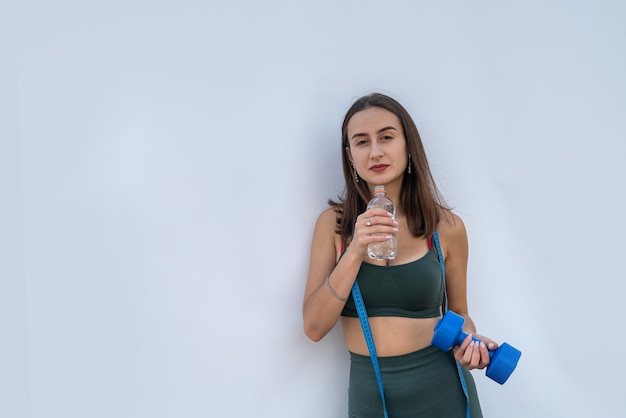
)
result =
(422, 384)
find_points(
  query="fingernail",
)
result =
(396, 222)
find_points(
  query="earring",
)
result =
(356, 175)
(409, 167)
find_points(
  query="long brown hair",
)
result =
(419, 196)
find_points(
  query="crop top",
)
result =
(411, 290)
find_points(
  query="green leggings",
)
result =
(423, 384)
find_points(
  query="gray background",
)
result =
(162, 165)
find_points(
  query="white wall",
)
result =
(163, 164)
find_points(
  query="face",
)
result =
(377, 146)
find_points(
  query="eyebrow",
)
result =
(386, 128)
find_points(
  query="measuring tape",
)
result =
(367, 332)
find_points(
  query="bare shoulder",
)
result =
(325, 244)
(327, 220)
(452, 229)
(326, 226)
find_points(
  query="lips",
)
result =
(379, 167)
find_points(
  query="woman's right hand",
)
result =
(372, 226)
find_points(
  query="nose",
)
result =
(375, 150)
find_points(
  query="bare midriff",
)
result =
(394, 336)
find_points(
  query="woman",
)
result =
(404, 297)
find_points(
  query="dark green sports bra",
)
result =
(411, 290)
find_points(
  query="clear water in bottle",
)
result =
(387, 249)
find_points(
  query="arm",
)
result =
(321, 309)
(455, 249)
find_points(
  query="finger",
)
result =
(379, 220)
(468, 355)
(484, 355)
(370, 228)
(364, 223)
(378, 212)
(491, 344)
(461, 352)
(476, 354)
(466, 342)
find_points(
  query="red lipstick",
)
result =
(379, 167)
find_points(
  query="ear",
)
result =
(349, 154)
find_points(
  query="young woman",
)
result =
(404, 297)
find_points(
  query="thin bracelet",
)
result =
(333, 291)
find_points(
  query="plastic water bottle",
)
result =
(387, 249)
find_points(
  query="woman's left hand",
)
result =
(472, 354)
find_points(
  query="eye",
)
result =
(387, 137)
(361, 142)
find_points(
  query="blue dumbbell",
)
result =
(449, 332)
